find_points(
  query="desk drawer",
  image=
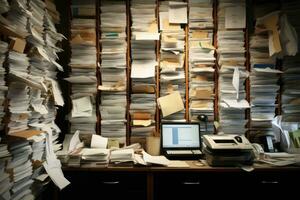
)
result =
(188, 185)
(115, 185)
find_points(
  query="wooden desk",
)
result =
(134, 182)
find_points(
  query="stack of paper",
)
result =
(83, 76)
(5, 181)
(20, 169)
(122, 155)
(291, 73)
(84, 8)
(231, 59)
(3, 87)
(95, 155)
(16, 19)
(113, 70)
(4, 6)
(18, 94)
(263, 84)
(33, 92)
(201, 63)
(144, 33)
(35, 23)
(172, 53)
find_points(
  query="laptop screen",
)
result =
(180, 135)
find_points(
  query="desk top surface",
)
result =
(193, 166)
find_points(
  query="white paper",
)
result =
(236, 81)
(82, 107)
(52, 165)
(177, 12)
(268, 70)
(99, 142)
(237, 104)
(94, 152)
(57, 93)
(75, 140)
(59, 67)
(39, 107)
(146, 36)
(235, 17)
(143, 69)
(159, 160)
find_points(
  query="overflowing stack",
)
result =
(113, 70)
(231, 60)
(144, 32)
(20, 169)
(201, 63)
(291, 72)
(33, 92)
(83, 66)
(264, 86)
(5, 181)
(3, 87)
(172, 57)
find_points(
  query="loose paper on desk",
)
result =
(82, 107)
(178, 163)
(235, 17)
(236, 81)
(171, 103)
(178, 12)
(159, 160)
(99, 142)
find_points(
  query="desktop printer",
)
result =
(227, 150)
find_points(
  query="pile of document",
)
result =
(201, 63)
(291, 73)
(16, 19)
(83, 76)
(5, 181)
(100, 156)
(20, 169)
(3, 87)
(172, 52)
(33, 92)
(18, 93)
(144, 32)
(121, 156)
(231, 60)
(4, 6)
(83, 8)
(113, 69)
(264, 86)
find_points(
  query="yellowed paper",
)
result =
(171, 103)
(142, 122)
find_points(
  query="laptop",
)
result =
(181, 141)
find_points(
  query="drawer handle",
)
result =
(111, 182)
(269, 182)
(191, 183)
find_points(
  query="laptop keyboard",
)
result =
(178, 152)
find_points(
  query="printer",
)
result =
(227, 150)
